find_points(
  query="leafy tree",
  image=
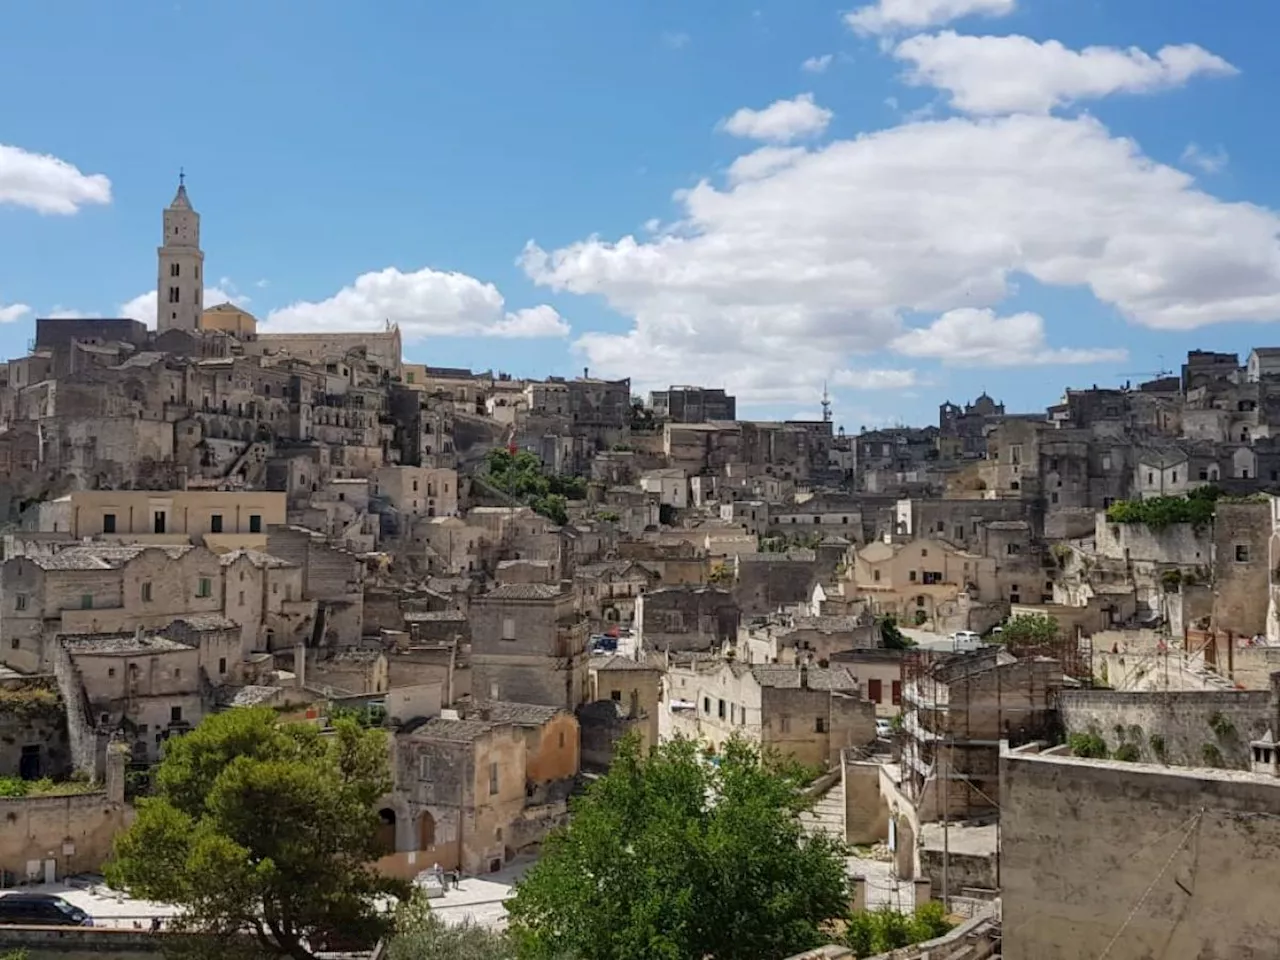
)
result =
(894, 638)
(266, 828)
(421, 935)
(671, 856)
(1029, 630)
(521, 476)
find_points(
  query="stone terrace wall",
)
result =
(1185, 720)
(1180, 864)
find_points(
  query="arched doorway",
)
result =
(426, 831)
(387, 830)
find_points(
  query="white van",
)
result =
(965, 641)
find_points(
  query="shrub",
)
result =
(1127, 752)
(1211, 754)
(1157, 746)
(1221, 726)
(1088, 745)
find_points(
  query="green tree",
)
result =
(421, 935)
(672, 856)
(894, 638)
(1029, 630)
(267, 828)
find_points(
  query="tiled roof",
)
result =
(505, 711)
(103, 556)
(252, 695)
(120, 643)
(788, 677)
(463, 731)
(523, 591)
(262, 561)
(208, 621)
(618, 662)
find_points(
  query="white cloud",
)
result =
(780, 122)
(887, 16)
(1015, 74)
(968, 337)
(1214, 161)
(46, 184)
(675, 39)
(773, 283)
(763, 163)
(817, 64)
(425, 303)
(143, 306)
(875, 379)
(58, 312)
(13, 312)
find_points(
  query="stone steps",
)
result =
(826, 816)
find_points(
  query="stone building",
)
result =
(611, 590)
(809, 714)
(528, 645)
(686, 618)
(955, 713)
(634, 684)
(180, 286)
(693, 404)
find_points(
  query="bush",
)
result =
(1211, 754)
(1127, 752)
(1221, 726)
(1157, 746)
(1088, 745)
(870, 932)
(1158, 512)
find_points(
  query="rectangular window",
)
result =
(255, 523)
(493, 779)
(1242, 553)
(158, 522)
(108, 523)
(215, 523)
(912, 576)
(615, 696)
(424, 768)
(706, 705)
(242, 598)
(204, 588)
(175, 714)
(20, 601)
(146, 591)
(86, 601)
(173, 294)
(222, 664)
(784, 724)
(874, 692)
(820, 725)
(508, 628)
(720, 712)
(895, 692)
(173, 270)
(875, 575)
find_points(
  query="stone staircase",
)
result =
(827, 815)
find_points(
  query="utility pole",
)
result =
(946, 837)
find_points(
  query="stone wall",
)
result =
(33, 724)
(1179, 543)
(1196, 727)
(1241, 575)
(1135, 861)
(866, 815)
(78, 829)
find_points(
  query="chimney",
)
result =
(300, 665)
(804, 676)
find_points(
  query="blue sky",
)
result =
(1027, 195)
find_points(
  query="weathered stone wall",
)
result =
(1164, 862)
(1193, 724)
(80, 829)
(866, 815)
(33, 722)
(1241, 575)
(1179, 543)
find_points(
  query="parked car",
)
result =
(883, 728)
(41, 910)
(964, 641)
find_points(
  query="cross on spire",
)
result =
(182, 176)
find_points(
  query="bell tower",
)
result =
(180, 285)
